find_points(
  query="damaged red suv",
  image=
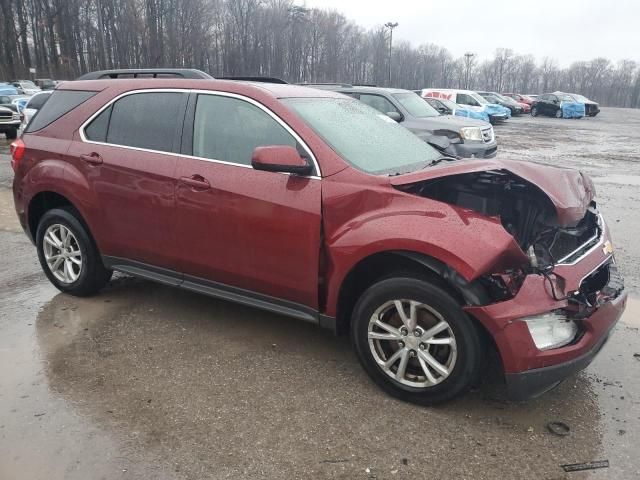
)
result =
(310, 204)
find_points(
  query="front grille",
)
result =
(487, 135)
(6, 115)
(602, 285)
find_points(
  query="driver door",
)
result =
(251, 231)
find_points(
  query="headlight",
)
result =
(471, 133)
(551, 330)
(16, 116)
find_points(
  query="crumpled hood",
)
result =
(570, 191)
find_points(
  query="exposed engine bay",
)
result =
(524, 210)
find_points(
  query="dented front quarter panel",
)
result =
(364, 215)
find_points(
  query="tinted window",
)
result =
(229, 129)
(58, 103)
(146, 120)
(37, 101)
(379, 103)
(97, 129)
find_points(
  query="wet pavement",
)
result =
(145, 382)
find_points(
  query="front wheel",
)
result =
(534, 112)
(559, 113)
(415, 342)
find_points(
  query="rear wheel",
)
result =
(534, 111)
(559, 113)
(68, 254)
(415, 342)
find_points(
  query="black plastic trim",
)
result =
(166, 72)
(219, 290)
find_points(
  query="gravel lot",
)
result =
(147, 382)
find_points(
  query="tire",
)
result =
(534, 111)
(559, 113)
(81, 280)
(461, 359)
(11, 134)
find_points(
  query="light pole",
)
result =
(468, 63)
(390, 26)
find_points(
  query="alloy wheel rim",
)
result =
(412, 343)
(62, 253)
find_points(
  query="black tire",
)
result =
(559, 113)
(465, 370)
(11, 134)
(534, 111)
(93, 275)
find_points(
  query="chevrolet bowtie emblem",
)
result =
(607, 249)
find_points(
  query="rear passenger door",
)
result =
(127, 154)
(240, 229)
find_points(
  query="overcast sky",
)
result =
(567, 30)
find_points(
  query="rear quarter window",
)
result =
(59, 103)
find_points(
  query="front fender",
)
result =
(469, 243)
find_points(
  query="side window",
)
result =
(464, 99)
(379, 103)
(145, 120)
(97, 129)
(229, 129)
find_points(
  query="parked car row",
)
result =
(24, 98)
(312, 204)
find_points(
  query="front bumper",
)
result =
(532, 383)
(528, 370)
(475, 149)
(6, 126)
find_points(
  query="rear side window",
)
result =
(57, 104)
(37, 101)
(143, 120)
(379, 103)
(230, 129)
(97, 129)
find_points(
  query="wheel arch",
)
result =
(380, 265)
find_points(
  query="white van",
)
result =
(469, 99)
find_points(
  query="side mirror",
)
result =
(394, 116)
(443, 110)
(280, 158)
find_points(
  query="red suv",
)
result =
(311, 204)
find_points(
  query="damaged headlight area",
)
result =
(471, 133)
(551, 330)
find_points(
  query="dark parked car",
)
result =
(311, 204)
(510, 103)
(467, 137)
(550, 104)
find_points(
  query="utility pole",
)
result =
(468, 63)
(390, 26)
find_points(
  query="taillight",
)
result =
(17, 152)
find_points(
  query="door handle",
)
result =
(93, 158)
(197, 182)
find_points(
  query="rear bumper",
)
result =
(532, 383)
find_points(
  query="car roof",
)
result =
(273, 89)
(365, 89)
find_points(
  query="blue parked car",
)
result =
(447, 107)
(469, 100)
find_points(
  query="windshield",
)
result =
(415, 105)
(449, 104)
(566, 98)
(28, 84)
(478, 98)
(580, 98)
(364, 137)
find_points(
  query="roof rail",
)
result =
(256, 79)
(325, 85)
(146, 73)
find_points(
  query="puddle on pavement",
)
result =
(144, 381)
